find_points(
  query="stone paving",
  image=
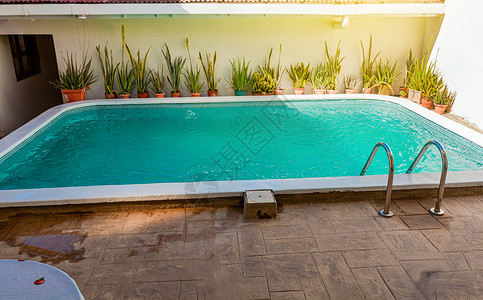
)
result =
(339, 250)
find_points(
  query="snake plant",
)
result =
(333, 65)
(299, 74)
(263, 83)
(209, 70)
(108, 68)
(125, 78)
(192, 75)
(175, 67)
(141, 74)
(368, 65)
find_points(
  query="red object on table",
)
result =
(39, 281)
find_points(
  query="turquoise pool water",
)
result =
(133, 144)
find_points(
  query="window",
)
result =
(25, 56)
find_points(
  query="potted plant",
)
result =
(410, 65)
(367, 68)
(241, 76)
(431, 83)
(192, 76)
(277, 74)
(442, 98)
(318, 79)
(141, 75)
(125, 80)
(351, 82)
(263, 83)
(157, 82)
(333, 67)
(209, 70)
(76, 78)
(175, 67)
(299, 75)
(385, 76)
(108, 69)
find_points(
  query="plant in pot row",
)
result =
(430, 84)
(175, 68)
(209, 70)
(241, 76)
(351, 82)
(76, 78)
(141, 74)
(443, 100)
(318, 79)
(109, 70)
(157, 82)
(299, 75)
(192, 76)
(368, 68)
(333, 66)
(385, 75)
(410, 65)
(267, 79)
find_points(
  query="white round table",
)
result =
(18, 277)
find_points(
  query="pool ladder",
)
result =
(436, 210)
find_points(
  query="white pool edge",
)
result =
(219, 189)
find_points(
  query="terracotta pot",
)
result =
(195, 94)
(384, 90)
(403, 92)
(319, 92)
(414, 95)
(240, 93)
(440, 108)
(350, 91)
(426, 102)
(367, 90)
(299, 91)
(257, 94)
(278, 92)
(75, 95)
(110, 96)
(174, 95)
(124, 96)
(143, 95)
(159, 95)
(331, 92)
(213, 93)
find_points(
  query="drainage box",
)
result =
(259, 204)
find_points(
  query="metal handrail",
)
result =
(384, 212)
(436, 210)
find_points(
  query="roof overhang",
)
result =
(213, 9)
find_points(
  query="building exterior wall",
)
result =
(459, 48)
(302, 39)
(22, 101)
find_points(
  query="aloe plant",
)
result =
(299, 74)
(410, 66)
(385, 74)
(432, 82)
(108, 68)
(368, 65)
(209, 70)
(333, 66)
(318, 78)
(175, 68)
(141, 74)
(351, 82)
(76, 76)
(192, 75)
(125, 78)
(241, 74)
(157, 81)
(444, 96)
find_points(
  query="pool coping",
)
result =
(220, 189)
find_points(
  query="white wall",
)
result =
(22, 101)
(302, 39)
(460, 50)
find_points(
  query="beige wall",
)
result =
(22, 101)
(302, 39)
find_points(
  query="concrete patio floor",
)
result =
(340, 250)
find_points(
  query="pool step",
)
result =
(259, 204)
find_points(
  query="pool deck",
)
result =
(333, 250)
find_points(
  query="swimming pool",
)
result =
(102, 143)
